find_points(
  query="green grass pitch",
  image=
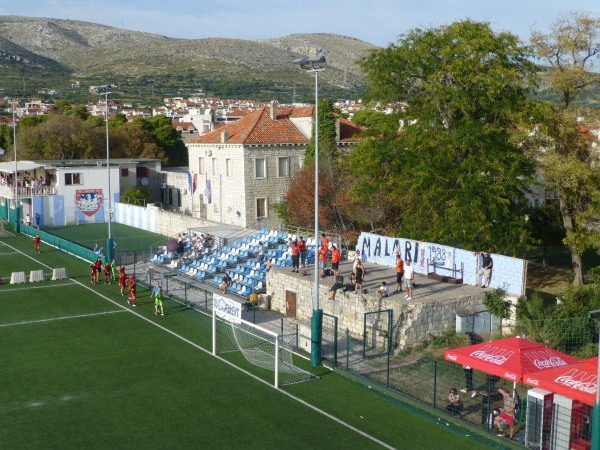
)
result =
(80, 369)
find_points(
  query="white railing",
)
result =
(9, 192)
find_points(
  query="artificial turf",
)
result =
(82, 369)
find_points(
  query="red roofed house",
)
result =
(243, 168)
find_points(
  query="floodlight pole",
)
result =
(316, 65)
(15, 178)
(109, 241)
(596, 413)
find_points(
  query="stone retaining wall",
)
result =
(413, 321)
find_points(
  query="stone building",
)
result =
(243, 169)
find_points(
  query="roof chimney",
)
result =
(224, 136)
(273, 111)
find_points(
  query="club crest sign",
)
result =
(89, 201)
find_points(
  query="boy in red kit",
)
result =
(98, 268)
(122, 281)
(36, 243)
(132, 287)
(93, 272)
(107, 273)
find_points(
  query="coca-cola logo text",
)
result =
(492, 355)
(580, 380)
(545, 359)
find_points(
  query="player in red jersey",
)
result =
(36, 243)
(122, 281)
(93, 272)
(107, 278)
(132, 288)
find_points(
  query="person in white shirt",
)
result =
(409, 276)
(383, 290)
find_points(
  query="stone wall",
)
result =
(413, 322)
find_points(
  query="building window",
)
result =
(301, 162)
(72, 178)
(261, 208)
(200, 165)
(214, 166)
(283, 166)
(228, 167)
(141, 171)
(124, 172)
(260, 168)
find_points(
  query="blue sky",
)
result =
(376, 21)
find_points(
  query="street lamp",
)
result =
(315, 64)
(109, 241)
(17, 212)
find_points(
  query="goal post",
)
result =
(259, 346)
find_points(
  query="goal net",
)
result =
(259, 346)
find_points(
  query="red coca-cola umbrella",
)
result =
(576, 381)
(509, 358)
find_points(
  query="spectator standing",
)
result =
(28, 220)
(96, 249)
(295, 257)
(322, 259)
(486, 268)
(468, 380)
(399, 272)
(355, 259)
(359, 277)
(409, 276)
(261, 252)
(302, 249)
(37, 220)
(335, 259)
(324, 241)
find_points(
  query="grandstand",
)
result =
(239, 260)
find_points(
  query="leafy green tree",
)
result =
(453, 174)
(497, 304)
(61, 137)
(136, 195)
(166, 137)
(327, 135)
(567, 162)
(545, 227)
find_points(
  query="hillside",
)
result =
(98, 54)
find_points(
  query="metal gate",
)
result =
(329, 339)
(377, 333)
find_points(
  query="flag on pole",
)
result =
(192, 182)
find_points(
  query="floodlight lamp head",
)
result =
(312, 62)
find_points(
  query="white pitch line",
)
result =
(52, 319)
(208, 352)
(38, 287)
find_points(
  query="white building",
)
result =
(74, 191)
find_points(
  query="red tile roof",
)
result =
(258, 128)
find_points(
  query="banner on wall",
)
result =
(225, 305)
(89, 201)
